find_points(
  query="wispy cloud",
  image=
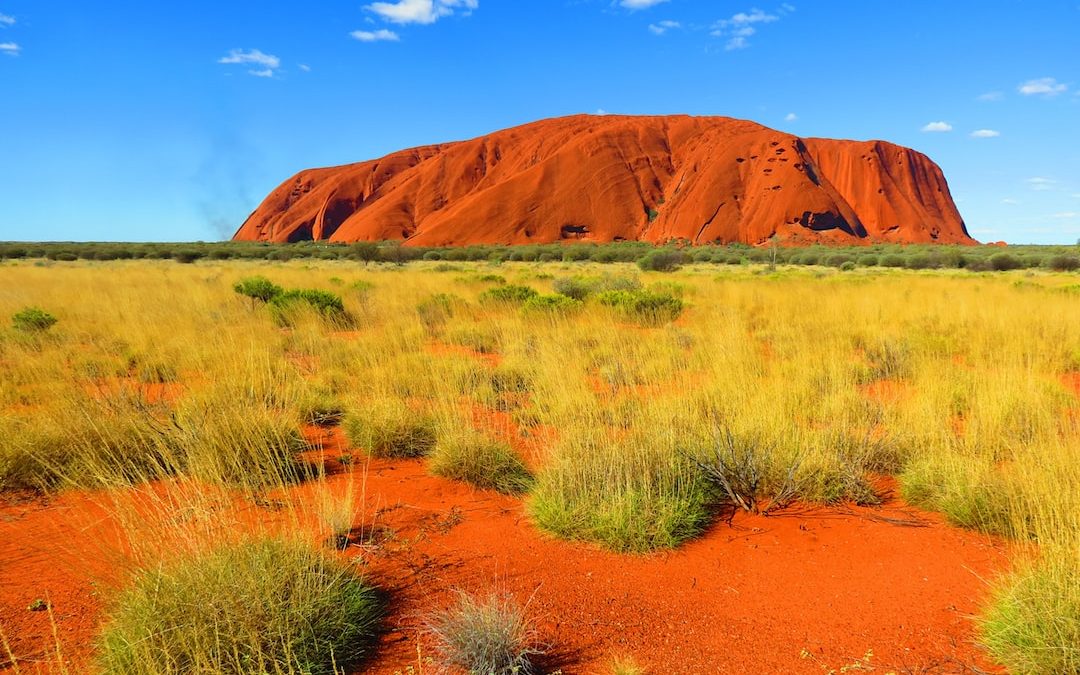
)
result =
(640, 4)
(10, 48)
(254, 57)
(985, 133)
(600, 111)
(7, 20)
(1009, 201)
(304, 67)
(1066, 214)
(662, 27)
(991, 96)
(381, 35)
(937, 127)
(421, 11)
(1043, 86)
(741, 26)
(1041, 184)
(790, 117)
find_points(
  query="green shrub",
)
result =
(892, 260)
(262, 606)
(187, 256)
(1003, 262)
(1063, 263)
(258, 288)
(577, 288)
(1032, 624)
(847, 266)
(327, 305)
(485, 636)
(484, 462)
(390, 430)
(436, 311)
(645, 307)
(634, 495)
(508, 294)
(33, 320)
(551, 304)
(868, 260)
(663, 260)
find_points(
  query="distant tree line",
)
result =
(648, 256)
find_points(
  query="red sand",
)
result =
(749, 596)
(609, 178)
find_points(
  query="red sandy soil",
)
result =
(596, 178)
(748, 597)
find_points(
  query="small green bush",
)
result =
(1003, 262)
(868, 260)
(263, 606)
(484, 462)
(847, 266)
(509, 294)
(551, 304)
(664, 260)
(33, 320)
(328, 305)
(258, 288)
(644, 307)
(1063, 263)
(390, 430)
(892, 260)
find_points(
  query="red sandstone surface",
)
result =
(611, 178)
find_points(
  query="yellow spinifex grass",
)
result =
(954, 382)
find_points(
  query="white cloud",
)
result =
(421, 11)
(254, 56)
(663, 26)
(985, 133)
(790, 117)
(10, 48)
(7, 20)
(305, 67)
(381, 35)
(938, 127)
(744, 24)
(991, 96)
(1066, 214)
(1041, 184)
(640, 4)
(1044, 86)
(266, 72)
(1011, 202)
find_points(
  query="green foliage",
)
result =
(1032, 624)
(662, 260)
(258, 288)
(551, 304)
(1002, 262)
(329, 306)
(508, 294)
(32, 320)
(645, 307)
(484, 462)
(262, 606)
(390, 430)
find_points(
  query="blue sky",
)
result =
(170, 121)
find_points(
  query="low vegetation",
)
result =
(626, 407)
(262, 606)
(485, 635)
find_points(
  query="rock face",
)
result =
(613, 178)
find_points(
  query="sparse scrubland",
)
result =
(659, 402)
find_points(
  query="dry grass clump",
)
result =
(260, 606)
(480, 460)
(390, 429)
(487, 635)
